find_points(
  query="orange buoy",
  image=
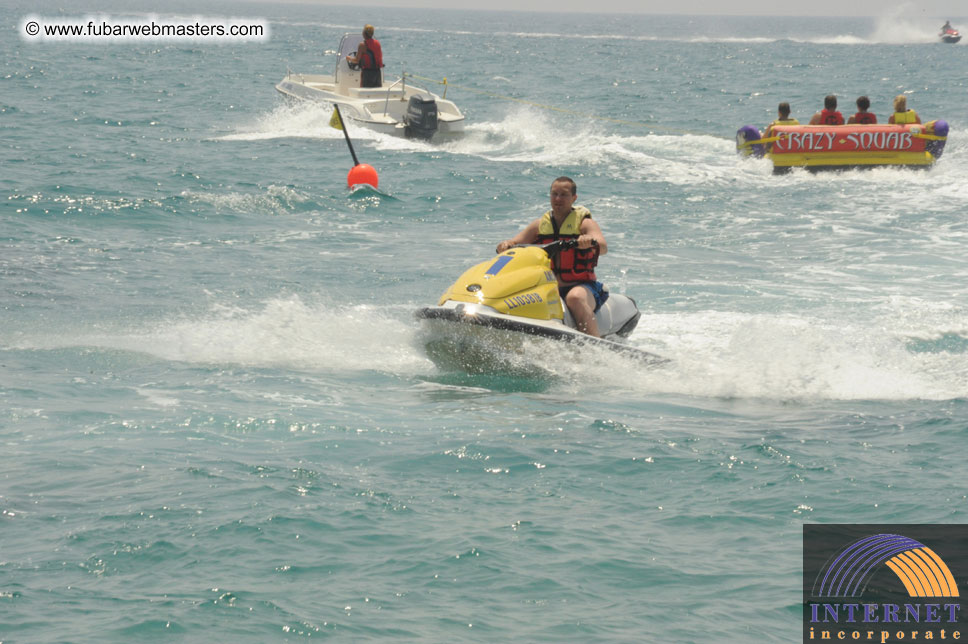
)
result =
(362, 173)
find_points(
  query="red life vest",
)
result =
(574, 264)
(865, 118)
(831, 118)
(373, 56)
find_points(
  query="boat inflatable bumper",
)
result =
(939, 129)
(746, 141)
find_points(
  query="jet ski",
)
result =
(498, 303)
(950, 35)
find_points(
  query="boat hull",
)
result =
(381, 108)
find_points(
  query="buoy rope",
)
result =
(558, 109)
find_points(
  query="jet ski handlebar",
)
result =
(555, 247)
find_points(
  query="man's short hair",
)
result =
(574, 186)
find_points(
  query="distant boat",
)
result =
(393, 108)
(949, 35)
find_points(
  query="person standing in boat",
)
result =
(369, 56)
(902, 115)
(580, 290)
(863, 117)
(829, 114)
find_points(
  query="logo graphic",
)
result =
(883, 583)
(922, 572)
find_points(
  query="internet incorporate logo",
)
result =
(883, 586)
(922, 572)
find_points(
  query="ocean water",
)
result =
(218, 421)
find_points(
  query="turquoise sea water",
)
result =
(218, 422)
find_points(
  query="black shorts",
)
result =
(372, 78)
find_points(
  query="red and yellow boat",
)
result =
(841, 147)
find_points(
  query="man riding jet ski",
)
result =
(574, 267)
(948, 33)
(521, 290)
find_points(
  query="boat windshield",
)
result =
(349, 44)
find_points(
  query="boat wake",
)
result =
(716, 354)
(903, 26)
(531, 135)
(297, 120)
(287, 333)
(733, 355)
(747, 356)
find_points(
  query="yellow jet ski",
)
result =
(517, 293)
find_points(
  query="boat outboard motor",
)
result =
(421, 118)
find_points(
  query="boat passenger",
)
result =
(369, 55)
(902, 115)
(829, 115)
(782, 118)
(863, 117)
(575, 268)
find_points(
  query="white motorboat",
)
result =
(394, 108)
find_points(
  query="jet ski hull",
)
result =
(455, 323)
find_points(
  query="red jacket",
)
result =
(831, 118)
(373, 56)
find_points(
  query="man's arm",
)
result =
(360, 50)
(527, 236)
(590, 231)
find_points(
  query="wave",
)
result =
(290, 120)
(284, 332)
(273, 200)
(900, 24)
(787, 358)
(529, 135)
(784, 357)
(718, 354)
(532, 135)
